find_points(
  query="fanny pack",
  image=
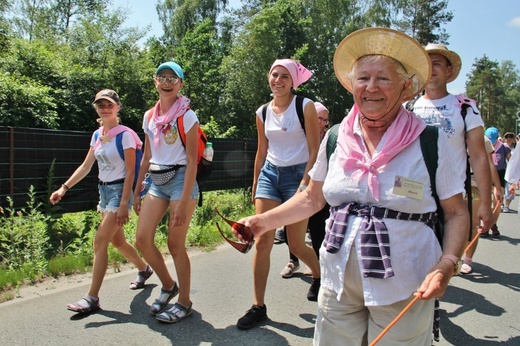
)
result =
(162, 174)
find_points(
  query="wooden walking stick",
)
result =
(406, 308)
(474, 239)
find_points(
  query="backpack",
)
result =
(299, 111)
(121, 151)
(464, 103)
(204, 167)
(428, 139)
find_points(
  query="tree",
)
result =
(422, 19)
(484, 86)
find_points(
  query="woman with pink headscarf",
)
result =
(286, 152)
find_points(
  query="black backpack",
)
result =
(299, 111)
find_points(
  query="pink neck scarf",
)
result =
(176, 110)
(113, 132)
(405, 128)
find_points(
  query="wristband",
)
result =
(455, 260)
(302, 187)
(65, 187)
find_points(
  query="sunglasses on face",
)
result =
(326, 121)
(167, 79)
(244, 231)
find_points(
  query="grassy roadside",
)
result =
(35, 246)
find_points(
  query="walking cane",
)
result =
(407, 307)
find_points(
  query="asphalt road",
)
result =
(478, 309)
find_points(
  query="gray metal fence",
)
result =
(27, 155)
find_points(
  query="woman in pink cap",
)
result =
(287, 149)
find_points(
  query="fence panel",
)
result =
(27, 156)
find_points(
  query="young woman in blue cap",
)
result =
(173, 168)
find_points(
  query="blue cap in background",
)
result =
(492, 134)
(172, 66)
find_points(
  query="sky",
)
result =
(478, 28)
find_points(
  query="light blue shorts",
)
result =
(279, 183)
(110, 198)
(172, 190)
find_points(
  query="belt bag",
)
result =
(162, 174)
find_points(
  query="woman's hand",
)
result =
(257, 224)
(57, 195)
(122, 215)
(178, 215)
(137, 203)
(436, 281)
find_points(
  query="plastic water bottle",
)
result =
(208, 152)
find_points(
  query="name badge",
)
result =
(408, 187)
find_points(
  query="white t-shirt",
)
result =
(287, 140)
(414, 247)
(111, 166)
(170, 150)
(445, 114)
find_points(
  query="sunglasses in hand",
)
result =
(243, 230)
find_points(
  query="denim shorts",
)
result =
(279, 183)
(110, 198)
(172, 190)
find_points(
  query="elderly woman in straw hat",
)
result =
(380, 249)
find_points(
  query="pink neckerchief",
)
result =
(176, 110)
(113, 132)
(405, 128)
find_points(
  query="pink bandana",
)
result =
(298, 72)
(405, 128)
(113, 132)
(176, 110)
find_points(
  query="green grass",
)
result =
(71, 235)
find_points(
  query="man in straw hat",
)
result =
(379, 249)
(439, 108)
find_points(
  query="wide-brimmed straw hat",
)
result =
(453, 58)
(388, 42)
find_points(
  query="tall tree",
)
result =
(422, 19)
(484, 86)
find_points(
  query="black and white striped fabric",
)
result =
(374, 237)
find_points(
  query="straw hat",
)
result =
(384, 41)
(453, 58)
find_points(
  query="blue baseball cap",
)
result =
(172, 66)
(492, 134)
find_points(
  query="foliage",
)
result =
(23, 236)
(496, 88)
(422, 19)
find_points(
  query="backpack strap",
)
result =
(299, 111)
(429, 148)
(332, 141)
(465, 103)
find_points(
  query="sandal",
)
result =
(160, 303)
(84, 306)
(175, 314)
(142, 276)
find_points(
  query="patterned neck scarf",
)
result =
(176, 110)
(405, 128)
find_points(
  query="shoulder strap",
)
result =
(180, 127)
(119, 145)
(299, 111)
(429, 148)
(332, 140)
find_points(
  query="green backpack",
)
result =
(429, 149)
